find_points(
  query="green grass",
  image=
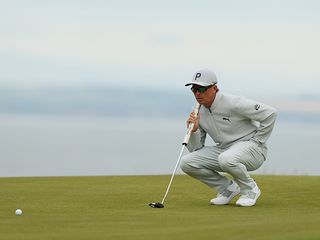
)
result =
(116, 208)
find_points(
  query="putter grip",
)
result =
(187, 137)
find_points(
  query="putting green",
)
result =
(116, 208)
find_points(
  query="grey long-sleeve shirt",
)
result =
(231, 119)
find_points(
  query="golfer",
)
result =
(240, 128)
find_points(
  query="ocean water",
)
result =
(77, 146)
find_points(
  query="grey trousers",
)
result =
(206, 163)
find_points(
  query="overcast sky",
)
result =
(268, 48)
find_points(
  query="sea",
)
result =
(49, 145)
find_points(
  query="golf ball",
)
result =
(18, 212)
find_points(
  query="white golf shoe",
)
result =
(225, 197)
(250, 198)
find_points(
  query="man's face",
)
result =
(204, 95)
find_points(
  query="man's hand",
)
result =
(195, 120)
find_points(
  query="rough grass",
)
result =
(116, 208)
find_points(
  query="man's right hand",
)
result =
(193, 119)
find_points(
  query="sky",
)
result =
(258, 48)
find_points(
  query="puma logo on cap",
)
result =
(198, 75)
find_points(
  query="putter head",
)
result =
(156, 205)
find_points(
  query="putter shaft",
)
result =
(174, 171)
(184, 144)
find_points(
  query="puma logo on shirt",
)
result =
(226, 119)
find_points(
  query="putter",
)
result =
(184, 144)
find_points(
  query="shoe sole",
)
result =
(250, 205)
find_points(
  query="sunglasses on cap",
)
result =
(200, 89)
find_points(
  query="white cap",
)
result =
(204, 78)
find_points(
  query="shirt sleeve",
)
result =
(197, 140)
(262, 113)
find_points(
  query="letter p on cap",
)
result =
(197, 76)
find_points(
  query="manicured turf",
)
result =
(116, 208)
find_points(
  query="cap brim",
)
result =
(203, 84)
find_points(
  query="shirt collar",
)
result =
(216, 100)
